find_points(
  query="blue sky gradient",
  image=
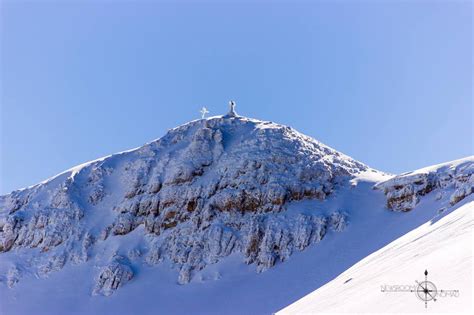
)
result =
(388, 82)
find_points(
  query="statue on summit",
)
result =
(232, 112)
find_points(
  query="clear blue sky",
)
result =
(388, 82)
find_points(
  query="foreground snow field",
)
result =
(226, 215)
(442, 246)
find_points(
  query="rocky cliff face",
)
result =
(454, 181)
(205, 190)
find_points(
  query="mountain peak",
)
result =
(207, 190)
(217, 178)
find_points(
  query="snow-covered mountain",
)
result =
(200, 214)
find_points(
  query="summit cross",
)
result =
(203, 112)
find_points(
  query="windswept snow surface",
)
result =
(442, 247)
(226, 215)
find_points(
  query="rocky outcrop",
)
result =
(55, 263)
(44, 228)
(262, 239)
(111, 277)
(404, 191)
(13, 276)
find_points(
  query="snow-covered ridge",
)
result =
(443, 246)
(453, 180)
(205, 190)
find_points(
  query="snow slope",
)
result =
(443, 247)
(246, 214)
